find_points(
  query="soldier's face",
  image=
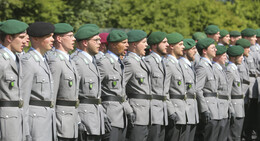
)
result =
(216, 37)
(120, 48)
(234, 39)
(141, 46)
(46, 42)
(222, 58)
(103, 47)
(68, 41)
(18, 42)
(191, 53)
(211, 51)
(239, 59)
(252, 39)
(93, 45)
(226, 39)
(246, 51)
(178, 49)
(162, 47)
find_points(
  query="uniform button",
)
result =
(11, 77)
(63, 112)
(235, 103)
(137, 104)
(114, 77)
(85, 111)
(43, 80)
(90, 79)
(51, 81)
(34, 115)
(6, 116)
(175, 105)
(207, 101)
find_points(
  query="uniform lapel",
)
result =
(160, 65)
(41, 62)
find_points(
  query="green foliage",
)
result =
(183, 16)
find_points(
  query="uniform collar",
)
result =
(38, 53)
(86, 55)
(9, 52)
(186, 61)
(233, 65)
(64, 54)
(134, 54)
(218, 65)
(158, 56)
(112, 54)
(174, 58)
(207, 60)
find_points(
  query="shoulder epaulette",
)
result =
(6, 56)
(111, 60)
(85, 60)
(36, 58)
(61, 57)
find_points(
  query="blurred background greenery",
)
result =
(183, 16)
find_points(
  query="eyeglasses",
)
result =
(71, 35)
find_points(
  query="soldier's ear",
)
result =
(58, 38)
(9, 38)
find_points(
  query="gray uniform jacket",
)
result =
(206, 84)
(137, 82)
(112, 84)
(190, 89)
(252, 60)
(222, 90)
(175, 81)
(10, 117)
(37, 85)
(234, 88)
(255, 51)
(92, 115)
(159, 108)
(244, 76)
(65, 78)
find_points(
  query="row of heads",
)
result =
(86, 31)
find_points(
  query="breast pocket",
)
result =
(89, 84)
(189, 84)
(69, 80)
(251, 64)
(113, 81)
(157, 80)
(140, 78)
(237, 83)
(211, 82)
(43, 84)
(10, 80)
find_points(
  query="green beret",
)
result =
(188, 43)
(136, 35)
(61, 28)
(116, 36)
(234, 51)
(248, 32)
(234, 33)
(174, 38)
(223, 33)
(86, 33)
(204, 43)
(13, 27)
(199, 35)
(244, 43)
(258, 33)
(211, 29)
(156, 37)
(220, 49)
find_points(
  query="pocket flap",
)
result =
(139, 75)
(41, 79)
(9, 77)
(113, 77)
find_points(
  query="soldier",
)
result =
(225, 105)
(224, 38)
(113, 86)
(65, 78)
(258, 38)
(176, 129)
(159, 104)
(207, 92)
(212, 31)
(254, 71)
(190, 87)
(196, 37)
(234, 36)
(37, 84)
(138, 85)
(103, 46)
(13, 38)
(235, 54)
(91, 112)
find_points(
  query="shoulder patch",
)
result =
(36, 58)
(206, 64)
(61, 57)
(157, 60)
(185, 66)
(6, 56)
(136, 58)
(86, 61)
(111, 60)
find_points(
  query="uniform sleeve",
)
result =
(55, 68)
(128, 72)
(27, 75)
(230, 78)
(201, 78)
